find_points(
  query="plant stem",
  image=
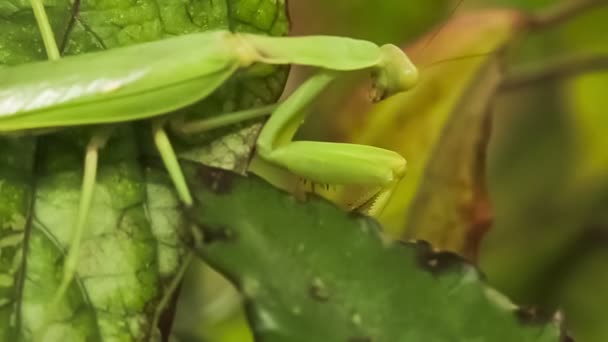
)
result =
(554, 71)
(561, 12)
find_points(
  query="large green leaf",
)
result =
(133, 248)
(129, 254)
(311, 272)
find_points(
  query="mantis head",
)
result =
(394, 74)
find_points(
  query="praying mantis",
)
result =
(147, 82)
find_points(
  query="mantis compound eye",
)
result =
(394, 74)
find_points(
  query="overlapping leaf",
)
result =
(437, 127)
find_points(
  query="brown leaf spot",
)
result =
(217, 234)
(318, 290)
(217, 180)
(533, 315)
(436, 262)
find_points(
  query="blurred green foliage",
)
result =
(548, 162)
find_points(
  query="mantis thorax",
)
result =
(246, 53)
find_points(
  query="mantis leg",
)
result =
(86, 195)
(323, 162)
(198, 126)
(90, 165)
(169, 158)
(48, 37)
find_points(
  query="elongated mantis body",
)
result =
(149, 81)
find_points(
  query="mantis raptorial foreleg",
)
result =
(324, 162)
(320, 162)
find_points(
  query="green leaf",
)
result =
(16, 192)
(133, 250)
(20, 41)
(311, 272)
(129, 255)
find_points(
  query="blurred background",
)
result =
(547, 162)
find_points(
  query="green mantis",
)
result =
(147, 82)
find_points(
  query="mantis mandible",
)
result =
(150, 80)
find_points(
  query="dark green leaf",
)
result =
(16, 192)
(310, 272)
